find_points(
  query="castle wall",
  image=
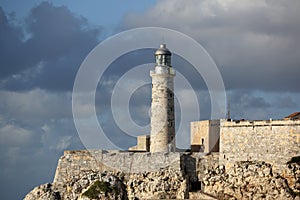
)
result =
(274, 142)
(143, 144)
(198, 163)
(214, 135)
(199, 136)
(208, 132)
(72, 163)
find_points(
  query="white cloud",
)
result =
(35, 104)
(62, 144)
(13, 135)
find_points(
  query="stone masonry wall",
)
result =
(274, 142)
(208, 132)
(178, 175)
(144, 175)
(162, 137)
(72, 163)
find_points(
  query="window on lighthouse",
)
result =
(159, 60)
(168, 60)
(163, 60)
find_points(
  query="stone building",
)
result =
(272, 141)
(205, 136)
(293, 116)
(143, 144)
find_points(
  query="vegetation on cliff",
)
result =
(97, 188)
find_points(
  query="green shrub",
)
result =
(98, 187)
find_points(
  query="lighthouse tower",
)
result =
(162, 138)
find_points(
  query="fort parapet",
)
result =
(272, 141)
(72, 163)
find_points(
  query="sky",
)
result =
(255, 45)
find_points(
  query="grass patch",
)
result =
(97, 188)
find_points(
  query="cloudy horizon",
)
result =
(255, 45)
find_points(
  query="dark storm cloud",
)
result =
(11, 44)
(36, 125)
(256, 44)
(286, 102)
(249, 100)
(49, 59)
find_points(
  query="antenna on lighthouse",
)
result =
(163, 39)
(228, 107)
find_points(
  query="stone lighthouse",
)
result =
(162, 137)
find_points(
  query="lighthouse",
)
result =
(162, 136)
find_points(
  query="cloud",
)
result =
(46, 51)
(31, 152)
(14, 136)
(37, 119)
(286, 101)
(256, 44)
(35, 127)
(10, 39)
(35, 105)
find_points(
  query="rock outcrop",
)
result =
(250, 180)
(43, 192)
(163, 184)
(293, 176)
(194, 176)
(93, 185)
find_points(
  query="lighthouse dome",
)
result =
(162, 50)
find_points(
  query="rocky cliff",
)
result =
(175, 176)
(252, 180)
(163, 184)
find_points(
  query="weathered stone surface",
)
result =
(200, 195)
(143, 144)
(74, 162)
(78, 171)
(163, 184)
(142, 174)
(76, 186)
(162, 135)
(43, 192)
(272, 141)
(293, 176)
(247, 180)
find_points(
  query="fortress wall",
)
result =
(199, 134)
(72, 163)
(205, 136)
(274, 142)
(202, 163)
